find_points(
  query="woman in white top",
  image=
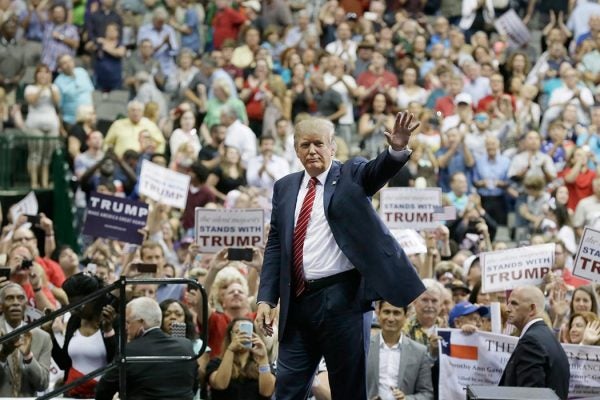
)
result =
(43, 98)
(409, 91)
(186, 133)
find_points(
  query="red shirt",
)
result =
(445, 105)
(217, 329)
(53, 271)
(487, 103)
(226, 24)
(31, 295)
(580, 188)
(572, 280)
(368, 78)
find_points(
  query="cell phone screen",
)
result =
(143, 268)
(239, 254)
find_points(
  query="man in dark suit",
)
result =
(155, 380)
(397, 366)
(538, 360)
(326, 264)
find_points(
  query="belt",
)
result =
(312, 285)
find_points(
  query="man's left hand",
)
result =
(403, 128)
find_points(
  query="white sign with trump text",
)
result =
(410, 208)
(220, 228)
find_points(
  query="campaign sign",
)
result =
(28, 205)
(115, 218)
(587, 260)
(164, 185)
(410, 208)
(507, 269)
(216, 229)
(410, 241)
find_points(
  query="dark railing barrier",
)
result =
(121, 359)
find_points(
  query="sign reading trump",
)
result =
(216, 229)
(115, 218)
(587, 260)
(164, 185)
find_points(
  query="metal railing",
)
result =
(121, 359)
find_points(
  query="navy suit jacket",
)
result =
(358, 231)
(538, 361)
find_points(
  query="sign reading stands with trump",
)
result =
(218, 228)
(164, 185)
(587, 260)
(507, 269)
(410, 208)
(480, 358)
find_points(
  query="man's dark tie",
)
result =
(299, 235)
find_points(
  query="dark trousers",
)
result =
(496, 207)
(331, 323)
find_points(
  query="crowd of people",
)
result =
(508, 131)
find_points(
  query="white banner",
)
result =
(508, 269)
(28, 206)
(218, 228)
(512, 26)
(410, 241)
(587, 260)
(480, 358)
(164, 185)
(410, 208)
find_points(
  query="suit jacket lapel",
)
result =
(288, 205)
(330, 183)
(404, 359)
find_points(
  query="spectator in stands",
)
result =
(490, 179)
(142, 60)
(79, 133)
(584, 328)
(52, 270)
(222, 96)
(90, 341)
(572, 91)
(228, 175)
(458, 196)
(174, 311)
(446, 104)
(578, 176)
(266, 168)
(397, 366)
(533, 209)
(12, 56)
(123, 133)
(211, 153)
(85, 161)
(199, 195)
(467, 317)
(256, 94)
(409, 91)
(584, 300)
(185, 134)
(491, 102)
(32, 20)
(243, 370)
(43, 98)
(163, 38)
(226, 23)
(30, 275)
(75, 88)
(588, 209)
(152, 380)
(26, 358)
(153, 253)
(107, 181)
(68, 260)
(60, 38)
(329, 103)
(421, 327)
(376, 79)
(454, 157)
(97, 23)
(238, 135)
(373, 124)
(108, 65)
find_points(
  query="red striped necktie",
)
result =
(299, 235)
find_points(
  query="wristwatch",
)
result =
(61, 37)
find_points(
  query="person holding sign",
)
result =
(538, 360)
(338, 258)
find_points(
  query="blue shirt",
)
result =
(192, 40)
(35, 29)
(460, 203)
(75, 91)
(593, 143)
(496, 169)
(455, 164)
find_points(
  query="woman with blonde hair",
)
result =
(243, 370)
(78, 134)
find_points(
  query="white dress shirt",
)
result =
(277, 167)
(389, 367)
(242, 138)
(322, 256)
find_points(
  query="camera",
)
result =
(26, 264)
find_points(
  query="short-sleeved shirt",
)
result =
(328, 102)
(75, 90)
(587, 213)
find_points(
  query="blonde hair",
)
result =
(83, 112)
(313, 125)
(224, 278)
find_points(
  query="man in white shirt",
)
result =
(344, 47)
(396, 365)
(266, 168)
(238, 135)
(538, 360)
(571, 92)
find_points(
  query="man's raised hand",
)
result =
(403, 128)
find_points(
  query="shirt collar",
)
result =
(321, 177)
(528, 325)
(382, 344)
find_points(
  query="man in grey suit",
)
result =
(397, 367)
(25, 361)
